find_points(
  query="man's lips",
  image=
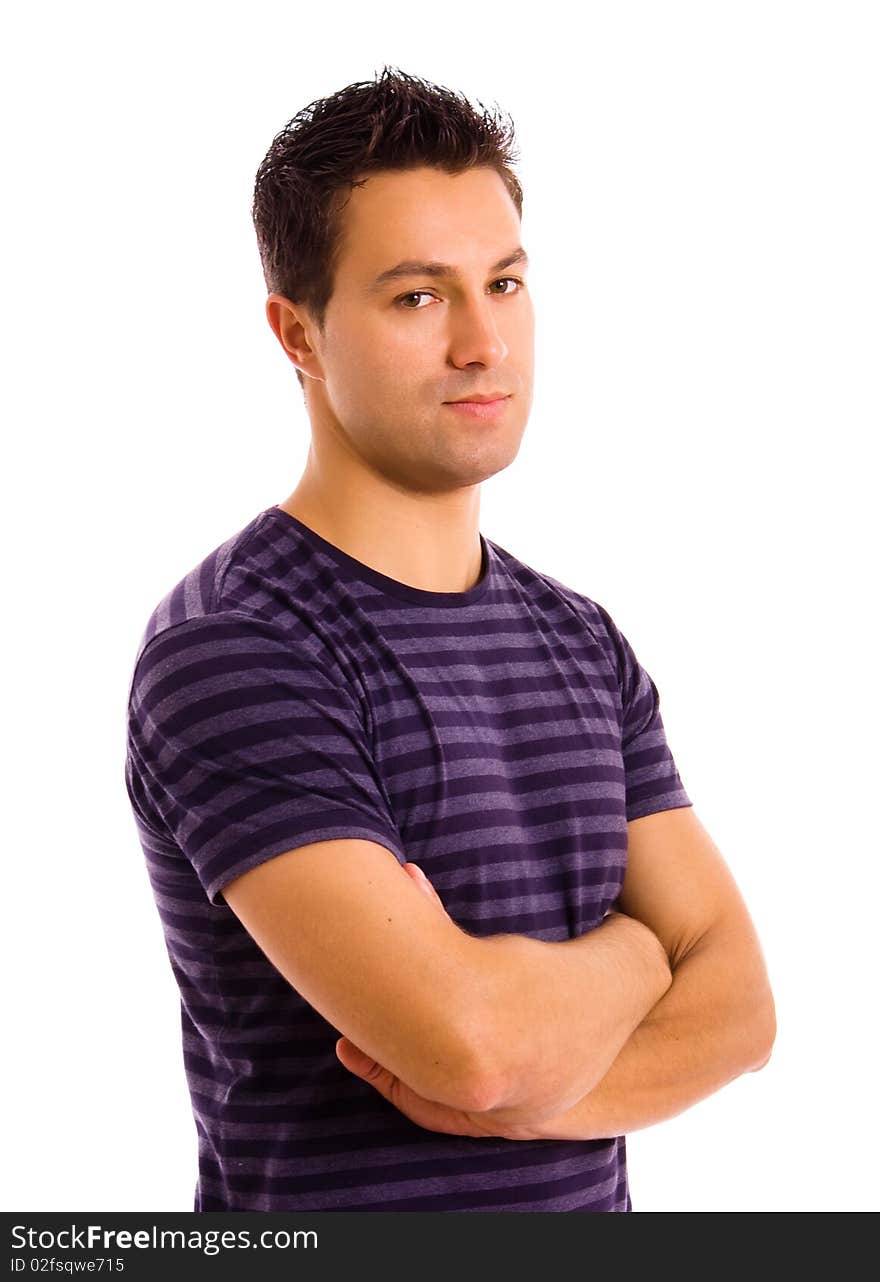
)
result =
(481, 400)
(480, 409)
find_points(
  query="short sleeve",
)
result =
(652, 779)
(242, 744)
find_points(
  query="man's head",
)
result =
(384, 173)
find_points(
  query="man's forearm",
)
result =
(559, 1013)
(714, 1023)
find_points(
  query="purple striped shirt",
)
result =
(284, 693)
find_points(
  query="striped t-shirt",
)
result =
(501, 737)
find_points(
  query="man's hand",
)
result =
(430, 1114)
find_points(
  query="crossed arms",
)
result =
(658, 1007)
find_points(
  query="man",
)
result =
(443, 918)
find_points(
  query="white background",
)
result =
(702, 214)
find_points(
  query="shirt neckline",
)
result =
(403, 591)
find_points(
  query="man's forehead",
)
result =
(429, 219)
(436, 268)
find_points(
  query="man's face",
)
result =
(394, 352)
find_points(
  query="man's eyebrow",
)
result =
(413, 268)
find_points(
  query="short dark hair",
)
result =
(396, 121)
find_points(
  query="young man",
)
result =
(443, 918)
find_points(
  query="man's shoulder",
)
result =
(198, 596)
(546, 589)
(253, 593)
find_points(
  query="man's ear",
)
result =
(293, 326)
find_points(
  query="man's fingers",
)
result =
(354, 1059)
(363, 1065)
(416, 873)
(429, 1114)
(421, 880)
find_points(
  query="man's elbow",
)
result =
(456, 1066)
(473, 1087)
(765, 1035)
(467, 1091)
(485, 1079)
(480, 1084)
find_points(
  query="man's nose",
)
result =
(474, 335)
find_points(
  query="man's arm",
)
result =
(557, 1014)
(344, 924)
(700, 1036)
(715, 1022)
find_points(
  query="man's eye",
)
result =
(422, 293)
(419, 293)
